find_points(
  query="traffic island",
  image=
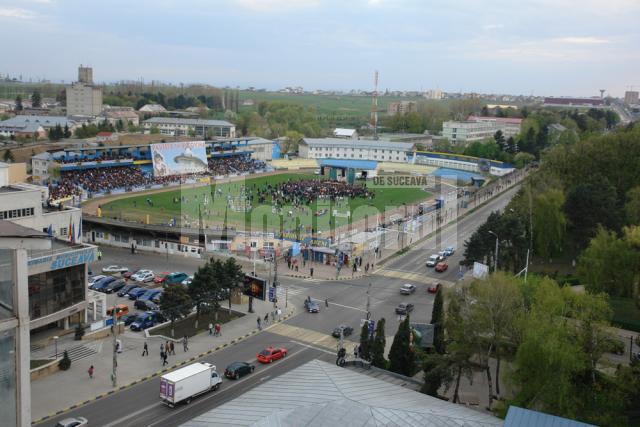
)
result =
(187, 326)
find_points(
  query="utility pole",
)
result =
(369, 302)
(114, 372)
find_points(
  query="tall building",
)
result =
(479, 128)
(631, 97)
(83, 97)
(402, 107)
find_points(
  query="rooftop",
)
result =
(11, 229)
(321, 394)
(10, 189)
(193, 122)
(358, 143)
(46, 121)
(520, 417)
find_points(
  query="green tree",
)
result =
(19, 106)
(119, 125)
(232, 278)
(402, 357)
(549, 223)
(499, 138)
(365, 342)
(204, 290)
(36, 99)
(377, 346)
(632, 206)
(154, 130)
(520, 160)
(175, 303)
(437, 372)
(8, 156)
(66, 133)
(65, 363)
(437, 320)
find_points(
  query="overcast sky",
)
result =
(544, 47)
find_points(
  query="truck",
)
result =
(183, 384)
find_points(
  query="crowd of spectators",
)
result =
(230, 165)
(100, 158)
(306, 191)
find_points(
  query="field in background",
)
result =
(185, 204)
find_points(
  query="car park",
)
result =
(160, 277)
(433, 288)
(73, 422)
(175, 278)
(135, 293)
(115, 269)
(407, 289)
(114, 286)
(102, 283)
(404, 308)
(344, 329)
(270, 354)
(433, 260)
(125, 290)
(237, 370)
(93, 279)
(441, 267)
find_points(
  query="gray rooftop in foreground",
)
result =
(191, 122)
(321, 394)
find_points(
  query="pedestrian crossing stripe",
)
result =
(411, 277)
(309, 336)
(77, 352)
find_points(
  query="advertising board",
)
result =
(178, 158)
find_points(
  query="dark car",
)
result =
(125, 290)
(238, 369)
(144, 320)
(114, 286)
(145, 305)
(312, 307)
(128, 318)
(404, 308)
(346, 331)
(136, 292)
(102, 283)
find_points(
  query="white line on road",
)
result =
(340, 305)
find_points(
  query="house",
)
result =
(126, 115)
(345, 133)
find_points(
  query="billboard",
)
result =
(179, 158)
(255, 287)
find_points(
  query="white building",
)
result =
(479, 128)
(182, 127)
(83, 97)
(434, 94)
(345, 133)
(356, 149)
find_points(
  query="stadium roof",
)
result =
(351, 164)
(193, 122)
(322, 394)
(358, 143)
(519, 417)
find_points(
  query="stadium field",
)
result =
(228, 203)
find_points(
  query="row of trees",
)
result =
(57, 132)
(213, 282)
(91, 130)
(277, 119)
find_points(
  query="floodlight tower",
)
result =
(374, 106)
(602, 93)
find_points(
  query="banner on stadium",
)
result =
(178, 158)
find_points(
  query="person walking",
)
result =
(210, 329)
(164, 359)
(161, 350)
(326, 302)
(266, 319)
(185, 343)
(172, 349)
(311, 272)
(145, 349)
(90, 371)
(99, 254)
(218, 328)
(259, 324)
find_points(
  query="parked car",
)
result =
(73, 422)
(143, 321)
(156, 297)
(407, 289)
(149, 294)
(449, 250)
(102, 283)
(237, 370)
(128, 274)
(146, 296)
(93, 279)
(121, 310)
(142, 276)
(312, 306)
(433, 260)
(433, 288)
(187, 281)
(160, 277)
(404, 308)
(270, 354)
(125, 290)
(146, 305)
(175, 278)
(441, 267)
(346, 331)
(114, 286)
(136, 292)
(128, 318)
(442, 254)
(115, 269)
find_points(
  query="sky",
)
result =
(539, 47)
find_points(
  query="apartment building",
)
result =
(361, 149)
(477, 128)
(83, 97)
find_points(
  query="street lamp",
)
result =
(495, 262)
(55, 340)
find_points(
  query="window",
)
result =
(63, 231)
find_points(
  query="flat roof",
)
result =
(358, 143)
(10, 189)
(194, 122)
(11, 229)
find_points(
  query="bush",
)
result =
(616, 346)
(64, 363)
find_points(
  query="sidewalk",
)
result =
(46, 398)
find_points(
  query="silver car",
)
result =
(73, 422)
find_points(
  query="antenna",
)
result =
(374, 106)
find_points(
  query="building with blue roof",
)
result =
(520, 417)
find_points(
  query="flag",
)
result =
(79, 238)
(70, 231)
(73, 233)
(50, 230)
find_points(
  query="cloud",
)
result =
(276, 5)
(489, 27)
(16, 12)
(582, 40)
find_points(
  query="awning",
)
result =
(323, 250)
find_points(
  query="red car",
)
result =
(433, 288)
(161, 277)
(442, 267)
(270, 354)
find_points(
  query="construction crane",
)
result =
(374, 106)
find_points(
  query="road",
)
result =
(305, 335)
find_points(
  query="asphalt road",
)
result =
(140, 405)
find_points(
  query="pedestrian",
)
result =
(311, 272)
(259, 324)
(326, 302)
(210, 328)
(164, 359)
(90, 371)
(185, 343)
(218, 333)
(145, 349)
(99, 254)
(355, 351)
(161, 349)
(172, 350)
(266, 319)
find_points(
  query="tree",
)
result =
(378, 345)
(437, 372)
(19, 106)
(65, 363)
(66, 133)
(365, 342)
(204, 289)
(499, 138)
(8, 156)
(154, 130)
(36, 99)
(402, 353)
(632, 206)
(549, 222)
(232, 277)
(119, 125)
(175, 303)
(437, 320)
(520, 160)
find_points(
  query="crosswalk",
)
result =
(411, 277)
(308, 336)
